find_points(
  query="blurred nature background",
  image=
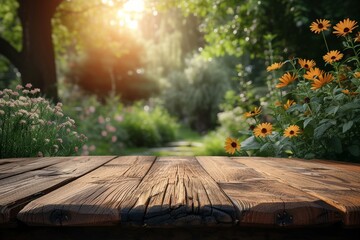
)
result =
(158, 76)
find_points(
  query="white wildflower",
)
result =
(59, 114)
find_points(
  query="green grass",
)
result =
(186, 134)
(187, 143)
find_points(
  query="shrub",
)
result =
(111, 126)
(317, 112)
(31, 126)
(148, 127)
(195, 94)
(211, 145)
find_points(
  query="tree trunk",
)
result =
(38, 58)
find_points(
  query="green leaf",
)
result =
(315, 107)
(347, 126)
(335, 144)
(327, 120)
(354, 150)
(320, 130)
(250, 144)
(307, 121)
(332, 110)
(296, 107)
(350, 106)
(265, 147)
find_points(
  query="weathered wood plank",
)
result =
(353, 167)
(262, 200)
(19, 189)
(332, 184)
(13, 166)
(93, 199)
(177, 191)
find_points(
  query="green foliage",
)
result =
(212, 145)
(147, 127)
(30, 126)
(237, 27)
(10, 27)
(111, 127)
(325, 111)
(195, 95)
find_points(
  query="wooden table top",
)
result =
(147, 191)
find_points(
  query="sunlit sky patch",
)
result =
(128, 15)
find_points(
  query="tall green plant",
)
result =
(317, 112)
(31, 126)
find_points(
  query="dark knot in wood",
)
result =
(284, 219)
(59, 217)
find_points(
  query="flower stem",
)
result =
(327, 47)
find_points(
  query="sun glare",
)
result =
(128, 15)
(134, 6)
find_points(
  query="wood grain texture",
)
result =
(13, 166)
(333, 184)
(353, 167)
(94, 199)
(262, 200)
(19, 189)
(178, 192)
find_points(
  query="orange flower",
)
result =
(274, 66)
(357, 74)
(263, 129)
(292, 131)
(347, 92)
(307, 64)
(333, 56)
(357, 38)
(286, 79)
(278, 104)
(231, 145)
(323, 79)
(345, 27)
(253, 113)
(288, 104)
(313, 73)
(320, 25)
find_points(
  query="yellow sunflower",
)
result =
(232, 145)
(253, 113)
(292, 131)
(313, 73)
(357, 74)
(274, 66)
(286, 79)
(323, 80)
(307, 64)
(357, 38)
(333, 56)
(320, 25)
(344, 27)
(263, 129)
(347, 92)
(288, 104)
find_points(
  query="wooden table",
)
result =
(146, 192)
